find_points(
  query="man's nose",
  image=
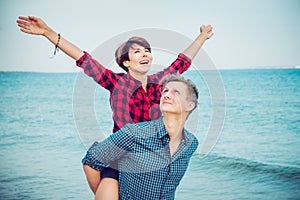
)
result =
(166, 95)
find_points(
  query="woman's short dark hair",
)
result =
(121, 53)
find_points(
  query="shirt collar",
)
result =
(161, 129)
(130, 78)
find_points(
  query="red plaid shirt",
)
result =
(129, 102)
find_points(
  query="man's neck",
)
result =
(174, 126)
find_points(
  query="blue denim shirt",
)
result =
(147, 170)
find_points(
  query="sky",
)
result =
(247, 34)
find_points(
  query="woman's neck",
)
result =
(142, 78)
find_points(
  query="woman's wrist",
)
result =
(49, 33)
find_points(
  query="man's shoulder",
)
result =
(140, 128)
(192, 139)
(140, 125)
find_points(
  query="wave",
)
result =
(244, 166)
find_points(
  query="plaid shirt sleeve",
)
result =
(105, 77)
(180, 65)
(103, 154)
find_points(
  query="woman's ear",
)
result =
(126, 63)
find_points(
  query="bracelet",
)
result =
(56, 46)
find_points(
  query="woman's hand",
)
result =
(206, 31)
(32, 25)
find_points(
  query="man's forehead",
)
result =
(175, 84)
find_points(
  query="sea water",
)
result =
(46, 126)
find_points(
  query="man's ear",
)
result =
(191, 106)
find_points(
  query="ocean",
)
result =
(48, 120)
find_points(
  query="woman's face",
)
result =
(140, 59)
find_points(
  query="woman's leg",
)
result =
(93, 177)
(108, 189)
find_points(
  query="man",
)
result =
(154, 155)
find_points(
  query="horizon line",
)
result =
(204, 69)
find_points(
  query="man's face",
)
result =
(175, 98)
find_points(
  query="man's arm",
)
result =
(36, 26)
(102, 154)
(193, 49)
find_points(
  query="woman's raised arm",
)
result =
(36, 26)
